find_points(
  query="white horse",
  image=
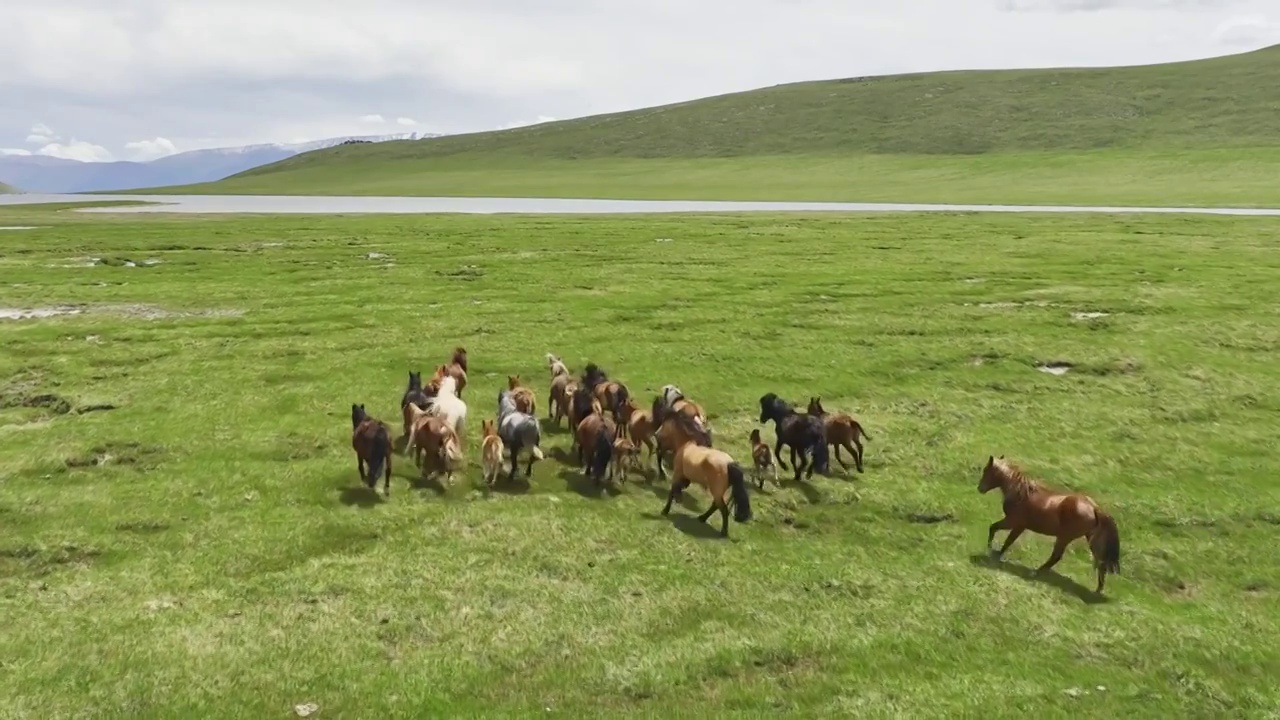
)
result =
(449, 407)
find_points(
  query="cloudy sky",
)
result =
(136, 79)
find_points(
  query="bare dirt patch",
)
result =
(144, 312)
(1057, 367)
(1089, 315)
(142, 457)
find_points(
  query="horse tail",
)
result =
(601, 455)
(741, 498)
(859, 430)
(378, 455)
(1104, 541)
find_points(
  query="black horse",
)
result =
(799, 431)
(415, 393)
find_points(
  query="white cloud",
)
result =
(143, 150)
(407, 122)
(76, 150)
(260, 70)
(42, 130)
(14, 151)
(40, 139)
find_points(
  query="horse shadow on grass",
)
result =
(689, 524)
(1049, 577)
(585, 486)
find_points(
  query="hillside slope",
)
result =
(6, 189)
(1194, 113)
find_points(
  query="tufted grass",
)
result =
(205, 550)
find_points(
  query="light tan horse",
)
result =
(639, 427)
(625, 455)
(491, 449)
(713, 469)
(522, 395)
(1029, 505)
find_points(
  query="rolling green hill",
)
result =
(1203, 131)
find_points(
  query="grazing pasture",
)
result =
(183, 531)
(1196, 133)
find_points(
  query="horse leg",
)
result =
(515, 462)
(808, 464)
(858, 444)
(676, 487)
(724, 517)
(386, 476)
(777, 453)
(1001, 524)
(840, 460)
(1059, 547)
(1013, 535)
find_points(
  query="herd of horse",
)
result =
(609, 430)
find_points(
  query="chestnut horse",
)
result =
(1029, 505)
(842, 431)
(715, 470)
(522, 395)
(459, 358)
(371, 439)
(594, 437)
(611, 393)
(453, 370)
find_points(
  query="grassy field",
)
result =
(1200, 132)
(204, 549)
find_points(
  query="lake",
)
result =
(330, 205)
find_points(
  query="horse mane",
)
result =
(592, 375)
(773, 402)
(1019, 483)
(691, 427)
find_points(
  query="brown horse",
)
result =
(1029, 505)
(594, 436)
(842, 431)
(611, 393)
(371, 439)
(562, 388)
(639, 426)
(713, 469)
(454, 370)
(522, 395)
(762, 459)
(581, 405)
(459, 358)
(436, 448)
(670, 400)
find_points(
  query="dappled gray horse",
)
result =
(518, 431)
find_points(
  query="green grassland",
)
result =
(205, 549)
(1202, 132)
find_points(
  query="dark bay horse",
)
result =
(799, 431)
(371, 439)
(611, 393)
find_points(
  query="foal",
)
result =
(1028, 505)
(762, 459)
(841, 430)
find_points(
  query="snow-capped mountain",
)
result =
(41, 174)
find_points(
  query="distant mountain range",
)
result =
(42, 174)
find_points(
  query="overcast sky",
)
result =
(135, 79)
